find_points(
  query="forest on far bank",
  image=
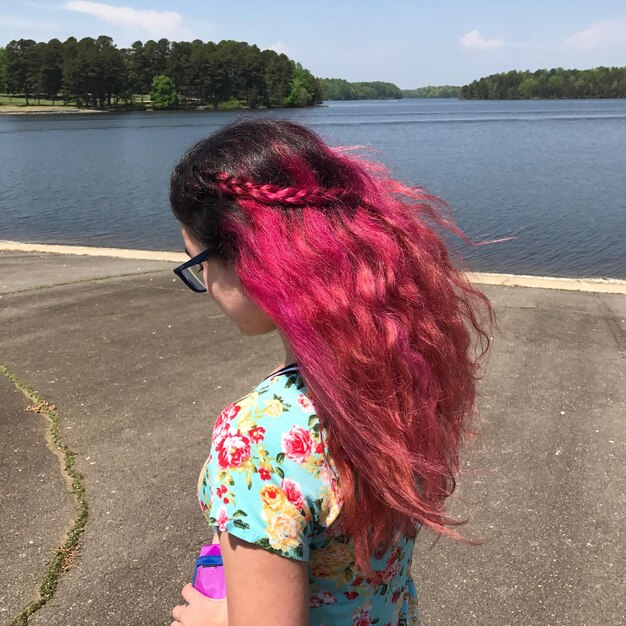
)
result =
(600, 82)
(95, 73)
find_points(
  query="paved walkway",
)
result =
(138, 367)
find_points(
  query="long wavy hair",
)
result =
(349, 264)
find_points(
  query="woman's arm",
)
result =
(263, 588)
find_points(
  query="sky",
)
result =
(412, 43)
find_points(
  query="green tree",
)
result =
(20, 69)
(209, 77)
(112, 79)
(157, 53)
(305, 88)
(94, 72)
(163, 94)
(34, 60)
(253, 87)
(179, 67)
(51, 69)
(139, 70)
(3, 70)
(278, 77)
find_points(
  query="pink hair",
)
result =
(381, 323)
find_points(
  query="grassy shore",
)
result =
(17, 104)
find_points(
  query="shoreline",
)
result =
(47, 109)
(597, 285)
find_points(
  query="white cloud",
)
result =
(158, 24)
(475, 41)
(279, 47)
(599, 35)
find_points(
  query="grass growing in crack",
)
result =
(65, 553)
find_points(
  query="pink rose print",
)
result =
(305, 404)
(315, 601)
(293, 492)
(233, 450)
(391, 572)
(319, 599)
(221, 490)
(297, 444)
(223, 421)
(362, 617)
(257, 434)
(392, 557)
(222, 519)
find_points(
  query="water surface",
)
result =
(551, 173)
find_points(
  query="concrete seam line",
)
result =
(96, 279)
(67, 550)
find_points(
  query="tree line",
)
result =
(600, 82)
(432, 91)
(96, 73)
(340, 89)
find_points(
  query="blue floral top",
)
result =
(266, 481)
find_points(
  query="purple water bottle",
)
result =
(208, 574)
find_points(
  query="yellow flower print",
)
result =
(287, 508)
(274, 497)
(245, 423)
(246, 404)
(273, 408)
(332, 561)
(283, 531)
(330, 507)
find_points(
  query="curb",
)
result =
(596, 285)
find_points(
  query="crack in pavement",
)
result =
(66, 551)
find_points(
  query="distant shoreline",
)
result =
(597, 285)
(48, 109)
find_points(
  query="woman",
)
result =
(319, 479)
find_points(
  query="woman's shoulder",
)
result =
(278, 403)
(269, 478)
(272, 425)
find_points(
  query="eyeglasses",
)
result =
(190, 276)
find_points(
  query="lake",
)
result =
(550, 173)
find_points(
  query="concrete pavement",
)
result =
(138, 367)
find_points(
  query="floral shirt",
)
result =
(267, 482)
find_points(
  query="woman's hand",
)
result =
(200, 610)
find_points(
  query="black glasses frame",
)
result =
(196, 260)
